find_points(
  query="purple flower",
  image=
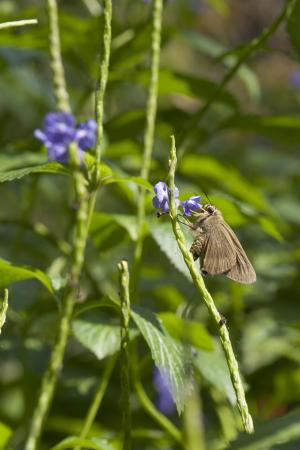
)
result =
(86, 134)
(191, 204)
(295, 78)
(165, 402)
(161, 199)
(60, 131)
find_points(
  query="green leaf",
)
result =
(213, 48)
(168, 354)
(213, 367)
(103, 339)
(190, 86)
(73, 441)
(285, 129)
(11, 274)
(108, 231)
(293, 25)
(270, 228)
(3, 308)
(187, 331)
(5, 434)
(52, 167)
(163, 235)
(204, 167)
(269, 434)
(136, 180)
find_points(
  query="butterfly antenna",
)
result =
(207, 197)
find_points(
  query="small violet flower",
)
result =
(191, 204)
(161, 198)
(60, 130)
(295, 78)
(165, 402)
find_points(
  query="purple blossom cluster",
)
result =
(161, 200)
(60, 130)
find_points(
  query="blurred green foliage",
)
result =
(244, 154)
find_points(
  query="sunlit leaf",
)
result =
(52, 167)
(11, 274)
(136, 180)
(5, 434)
(101, 338)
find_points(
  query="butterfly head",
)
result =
(210, 209)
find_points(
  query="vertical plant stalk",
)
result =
(253, 46)
(125, 382)
(3, 308)
(85, 207)
(103, 77)
(95, 405)
(149, 135)
(208, 300)
(58, 73)
(193, 421)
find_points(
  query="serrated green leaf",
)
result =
(213, 367)
(268, 435)
(103, 339)
(73, 441)
(5, 434)
(11, 274)
(52, 167)
(187, 331)
(163, 235)
(168, 354)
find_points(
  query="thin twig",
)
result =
(18, 23)
(208, 300)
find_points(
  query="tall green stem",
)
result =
(60, 90)
(125, 382)
(148, 136)
(85, 207)
(103, 77)
(254, 45)
(208, 300)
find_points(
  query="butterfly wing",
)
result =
(218, 254)
(242, 271)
